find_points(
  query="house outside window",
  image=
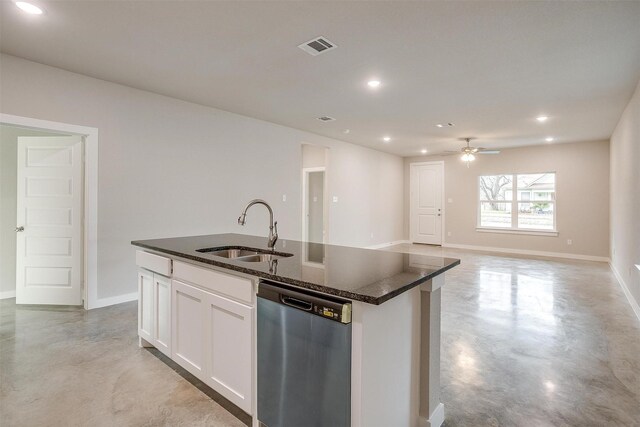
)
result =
(518, 202)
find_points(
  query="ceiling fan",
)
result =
(469, 152)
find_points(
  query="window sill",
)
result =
(550, 233)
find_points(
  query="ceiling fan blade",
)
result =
(449, 153)
(489, 152)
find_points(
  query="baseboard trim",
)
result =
(634, 305)
(435, 420)
(387, 244)
(105, 302)
(527, 252)
(7, 294)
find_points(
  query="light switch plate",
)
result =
(284, 197)
(335, 199)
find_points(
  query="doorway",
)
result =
(313, 218)
(314, 203)
(48, 214)
(426, 214)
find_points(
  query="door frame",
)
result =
(90, 204)
(411, 184)
(305, 181)
(304, 236)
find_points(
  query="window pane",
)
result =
(496, 187)
(536, 215)
(537, 186)
(495, 215)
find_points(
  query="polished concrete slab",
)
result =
(69, 367)
(536, 342)
(526, 342)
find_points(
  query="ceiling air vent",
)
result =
(317, 46)
(326, 119)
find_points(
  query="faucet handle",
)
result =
(275, 228)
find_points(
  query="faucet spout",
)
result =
(273, 226)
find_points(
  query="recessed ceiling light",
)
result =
(439, 125)
(542, 119)
(346, 131)
(423, 151)
(549, 139)
(386, 139)
(374, 83)
(29, 8)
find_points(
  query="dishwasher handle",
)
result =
(295, 302)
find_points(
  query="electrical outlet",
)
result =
(284, 197)
(449, 233)
(372, 235)
(449, 200)
(569, 242)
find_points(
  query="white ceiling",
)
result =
(488, 67)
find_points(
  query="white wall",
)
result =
(582, 194)
(173, 168)
(314, 156)
(8, 198)
(625, 198)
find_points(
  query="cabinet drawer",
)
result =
(154, 263)
(236, 287)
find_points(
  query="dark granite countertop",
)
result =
(368, 275)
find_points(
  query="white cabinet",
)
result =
(162, 314)
(217, 311)
(154, 310)
(203, 319)
(145, 305)
(188, 336)
(228, 352)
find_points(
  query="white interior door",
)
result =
(49, 253)
(426, 203)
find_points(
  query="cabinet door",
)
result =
(162, 313)
(228, 352)
(187, 327)
(145, 305)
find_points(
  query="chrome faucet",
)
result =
(273, 226)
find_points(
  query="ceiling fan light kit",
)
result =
(469, 152)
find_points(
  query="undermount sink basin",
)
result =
(261, 258)
(240, 253)
(231, 253)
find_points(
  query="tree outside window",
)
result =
(518, 202)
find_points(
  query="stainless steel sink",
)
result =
(239, 253)
(233, 253)
(261, 258)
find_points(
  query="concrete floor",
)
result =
(526, 342)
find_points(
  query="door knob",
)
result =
(19, 229)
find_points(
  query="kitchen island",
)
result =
(197, 304)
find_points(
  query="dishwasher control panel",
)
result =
(314, 303)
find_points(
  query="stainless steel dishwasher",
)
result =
(304, 358)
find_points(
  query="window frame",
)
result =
(515, 203)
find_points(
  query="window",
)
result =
(517, 202)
